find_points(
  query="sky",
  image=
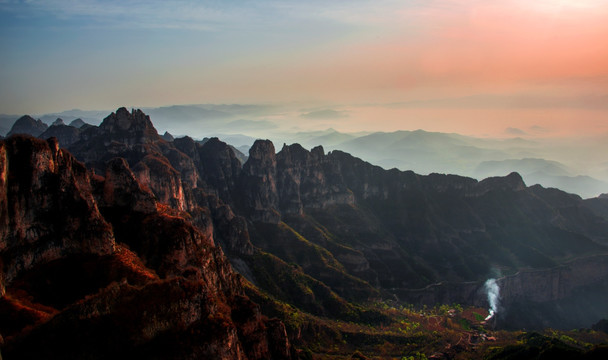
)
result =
(477, 67)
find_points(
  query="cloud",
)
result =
(325, 114)
(539, 129)
(177, 14)
(206, 14)
(514, 131)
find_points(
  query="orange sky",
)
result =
(445, 65)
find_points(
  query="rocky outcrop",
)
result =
(184, 165)
(121, 190)
(157, 174)
(48, 208)
(126, 134)
(129, 128)
(27, 125)
(230, 230)
(150, 285)
(258, 183)
(309, 179)
(167, 137)
(220, 168)
(156, 163)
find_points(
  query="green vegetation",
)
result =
(406, 332)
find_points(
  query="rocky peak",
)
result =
(77, 123)
(262, 155)
(258, 183)
(186, 145)
(220, 168)
(511, 182)
(294, 153)
(295, 167)
(317, 153)
(134, 126)
(27, 125)
(58, 122)
(167, 136)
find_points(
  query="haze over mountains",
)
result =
(123, 242)
(571, 164)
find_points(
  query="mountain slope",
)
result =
(95, 267)
(340, 232)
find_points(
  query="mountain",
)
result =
(585, 186)
(420, 151)
(88, 116)
(523, 166)
(180, 249)
(27, 125)
(58, 122)
(327, 138)
(167, 136)
(77, 123)
(65, 134)
(94, 266)
(547, 173)
(357, 216)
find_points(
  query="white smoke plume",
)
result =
(493, 291)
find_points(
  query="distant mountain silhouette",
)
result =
(28, 125)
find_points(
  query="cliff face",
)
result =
(567, 296)
(388, 228)
(129, 128)
(95, 266)
(258, 183)
(313, 229)
(48, 208)
(132, 136)
(409, 230)
(309, 180)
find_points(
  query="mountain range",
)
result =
(581, 171)
(121, 243)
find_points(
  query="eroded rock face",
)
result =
(157, 164)
(157, 174)
(220, 168)
(258, 184)
(309, 179)
(230, 230)
(74, 287)
(122, 190)
(48, 207)
(130, 128)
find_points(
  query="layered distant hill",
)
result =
(581, 170)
